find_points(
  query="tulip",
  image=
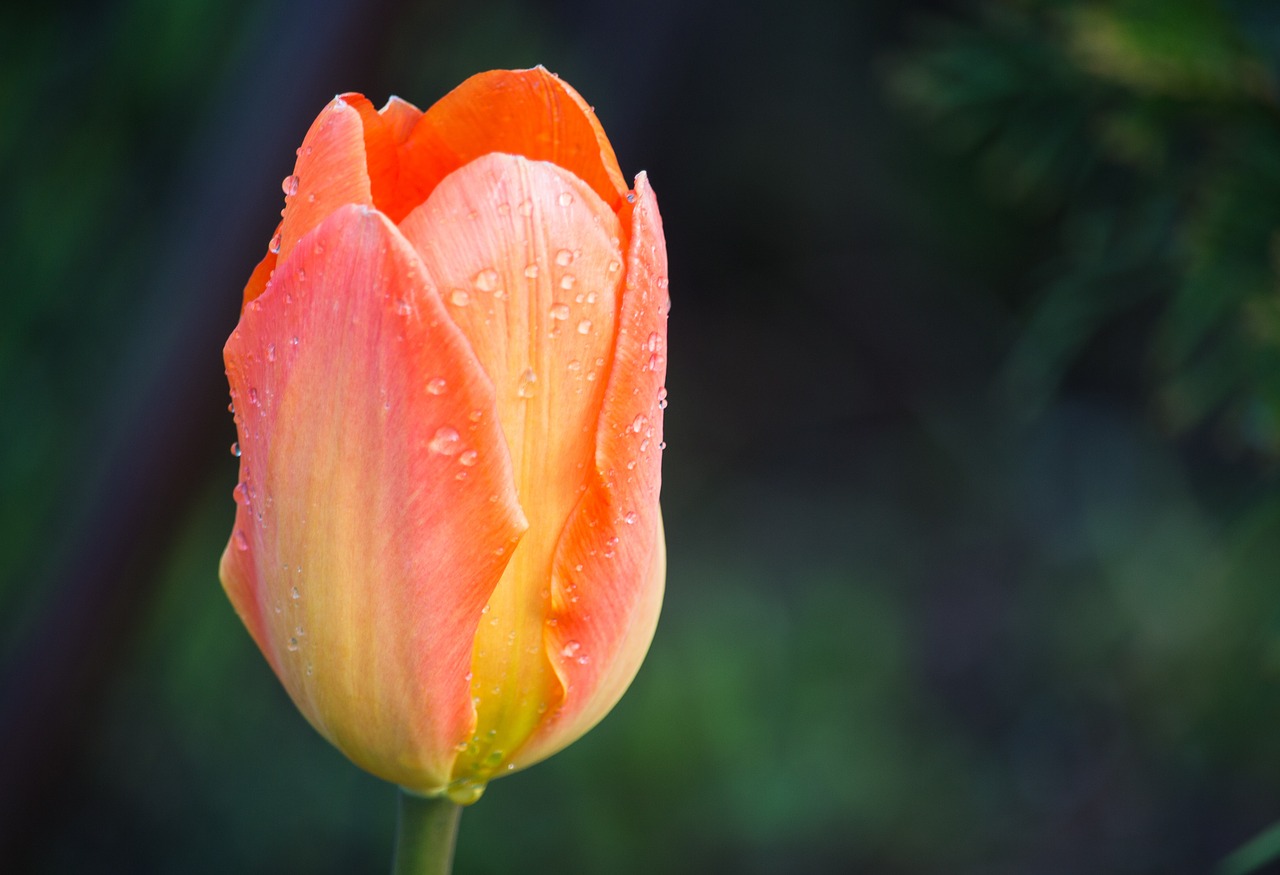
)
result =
(447, 380)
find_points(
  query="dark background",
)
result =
(971, 490)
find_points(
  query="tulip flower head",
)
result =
(448, 390)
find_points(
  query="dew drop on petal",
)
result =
(584, 327)
(459, 297)
(565, 198)
(570, 648)
(637, 424)
(468, 458)
(486, 280)
(437, 386)
(525, 387)
(559, 312)
(235, 450)
(446, 441)
(564, 258)
(242, 543)
(630, 518)
(290, 185)
(274, 246)
(531, 271)
(567, 281)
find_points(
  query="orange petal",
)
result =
(385, 133)
(610, 562)
(521, 112)
(330, 171)
(258, 280)
(528, 261)
(376, 509)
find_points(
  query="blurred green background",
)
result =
(971, 492)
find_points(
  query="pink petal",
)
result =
(376, 497)
(610, 563)
(528, 262)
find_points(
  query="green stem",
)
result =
(425, 831)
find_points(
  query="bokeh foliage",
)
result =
(1140, 140)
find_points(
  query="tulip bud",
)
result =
(448, 388)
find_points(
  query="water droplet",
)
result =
(295, 594)
(309, 669)
(311, 198)
(290, 185)
(567, 281)
(475, 415)
(235, 450)
(630, 518)
(459, 297)
(526, 208)
(531, 271)
(486, 280)
(614, 266)
(461, 746)
(271, 352)
(631, 197)
(468, 458)
(525, 387)
(584, 659)
(565, 198)
(274, 245)
(253, 396)
(293, 645)
(446, 441)
(293, 341)
(564, 258)
(584, 327)
(637, 424)
(570, 648)
(662, 282)
(656, 361)
(559, 312)
(654, 343)
(437, 386)
(662, 445)
(574, 365)
(240, 494)
(242, 543)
